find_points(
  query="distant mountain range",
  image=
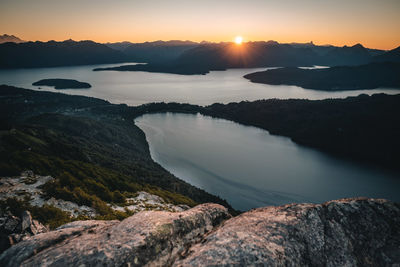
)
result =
(392, 55)
(158, 51)
(202, 58)
(5, 38)
(52, 54)
(267, 54)
(186, 57)
(120, 46)
(225, 55)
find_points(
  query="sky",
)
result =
(373, 23)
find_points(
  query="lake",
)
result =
(135, 88)
(244, 165)
(251, 168)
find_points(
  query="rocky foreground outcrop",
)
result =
(348, 232)
(345, 232)
(15, 229)
(148, 237)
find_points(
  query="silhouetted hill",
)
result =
(247, 55)
(5, 38)
(158, 51)
(220, 56)
(367, 76)
(347, 55)
(267, 54)
(182, 57)
(52, 53)
(201, 58)
(120, 46)
(389, 56)
(319, 49)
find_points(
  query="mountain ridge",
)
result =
(177, 54)
(53, 54)
(207, 57)
(5, 38)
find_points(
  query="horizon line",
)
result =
(199, 42)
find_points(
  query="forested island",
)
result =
(63, 84)
(369, 76)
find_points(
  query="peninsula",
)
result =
(369, 76)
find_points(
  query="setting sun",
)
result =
(238, 39)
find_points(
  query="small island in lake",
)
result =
(183, 69)
(63, 84)
(369, 76)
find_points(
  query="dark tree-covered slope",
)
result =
(369, 76)
(158, 51)
(89, 144)
(363, 128)
(389, 56)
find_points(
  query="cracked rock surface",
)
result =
(148, 237)
(346, 232)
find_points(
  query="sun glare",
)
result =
(238, 40)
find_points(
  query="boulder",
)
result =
(347, 232)
(149, 237)
(15, 229)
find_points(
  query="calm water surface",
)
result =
(251, 168)
(134, 88)
(245, 165)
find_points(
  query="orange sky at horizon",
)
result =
(373, 23)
